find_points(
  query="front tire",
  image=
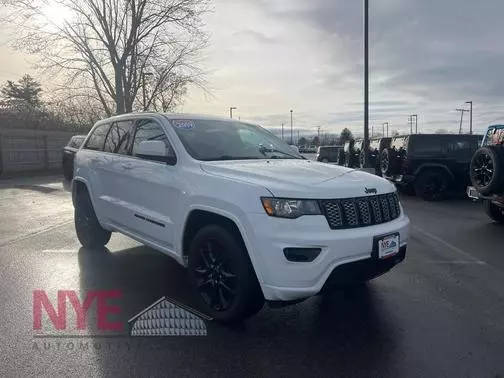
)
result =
(222, 275)
(89, 231)
(495, 212)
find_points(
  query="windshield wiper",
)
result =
(229, 157)
(264, 150)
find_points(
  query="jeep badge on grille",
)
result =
(370, 191)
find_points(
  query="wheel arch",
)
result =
(433, 166)
(200, 217)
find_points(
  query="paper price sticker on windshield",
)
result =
(185, 124)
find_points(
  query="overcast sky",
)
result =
(427, 57)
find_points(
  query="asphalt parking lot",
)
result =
(440, 313)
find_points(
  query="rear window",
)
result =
(97, 138)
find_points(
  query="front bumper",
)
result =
(283, 280)
(473, 193)
(401, 179)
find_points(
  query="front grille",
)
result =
(361, 211)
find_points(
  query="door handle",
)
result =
(127, 165)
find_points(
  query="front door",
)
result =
(151, 189)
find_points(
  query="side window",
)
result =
(119, 137)
(427, 145)
(97, 138)
(147, 129)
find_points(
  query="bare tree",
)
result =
(132, 54)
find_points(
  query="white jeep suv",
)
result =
(249, 217)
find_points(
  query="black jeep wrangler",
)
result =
(431, 165)
(487, 173)
(376, 146)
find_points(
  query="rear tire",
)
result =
(495, 212)
(388, 162)
(89, 231)
(431, 185)
(222, 275)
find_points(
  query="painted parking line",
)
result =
(467, 256)
(457, 262)
(59, 251)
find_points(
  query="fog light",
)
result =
(301, 254)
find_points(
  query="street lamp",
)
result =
(462, 111)
(470, 125)
(291, 128)
(231, 111)
(144, 94)
(410, 119)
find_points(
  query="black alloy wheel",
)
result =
(222, 275)
(487, 169)
(483, 169)
(216, 281)
(384, 163)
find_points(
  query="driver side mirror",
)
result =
(155, 150)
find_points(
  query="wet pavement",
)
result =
(440, 313)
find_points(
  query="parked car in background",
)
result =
(69, 153)
(328, 154)
(431, 165)
(487, 173)
(376, 146)
(225, 200)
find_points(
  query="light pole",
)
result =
(231, 111)
(282, 131)
(410, 120)
(144, 93)
(470, 124)
(291, 127)
(462, 111)
(366, 80)
(386, 123)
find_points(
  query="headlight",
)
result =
(290, 208)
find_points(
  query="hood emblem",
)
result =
(370, 191)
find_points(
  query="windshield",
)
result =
(230, 140)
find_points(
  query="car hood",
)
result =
(295, 178)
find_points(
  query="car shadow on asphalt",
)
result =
(344, 329)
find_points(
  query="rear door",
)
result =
(95, 161)
(150, 189)
(116, 148)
